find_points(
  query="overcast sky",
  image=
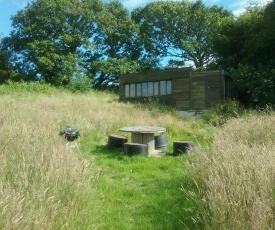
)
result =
(10, 7)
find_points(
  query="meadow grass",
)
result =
(46, 185)
(228, 183)
(235, 177)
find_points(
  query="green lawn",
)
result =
(140, 192)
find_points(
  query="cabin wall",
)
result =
(181, 92)
(154, 76)
(190, 90)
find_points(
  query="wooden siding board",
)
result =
(155, 76)
(190, 90)
(213, 90)
(197, 88)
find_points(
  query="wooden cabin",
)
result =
(183, 89)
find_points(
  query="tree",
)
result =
(6, 71)
(237, 40)
(48, 35)
(245, 46)
(269, 37)
(180, 30)
(116, 48)
(255, 86)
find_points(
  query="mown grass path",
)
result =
(140, 192)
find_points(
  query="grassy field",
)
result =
(228, 183)
(236, 176)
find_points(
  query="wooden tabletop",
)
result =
(143, 129)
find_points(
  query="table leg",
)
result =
(145, 138)
(137, 138)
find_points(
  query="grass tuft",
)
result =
(235, 176)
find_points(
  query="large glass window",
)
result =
(156, 88)
(127, 91)
(150, 88)
(163, 88)
(147, 89)
(138, 90)
(144, 92)
(132, 90)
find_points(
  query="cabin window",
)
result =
(138, 90)
(156, 88)
(165, 87)
(168, 87)
(132, 90)
(144, 92)
(127, 91)
(148, 89)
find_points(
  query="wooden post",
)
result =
(145, 138)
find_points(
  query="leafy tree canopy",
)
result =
(246, 46)
(47, 37)
(181, 30)
(6, 71)
(114, 50)
(68, 41)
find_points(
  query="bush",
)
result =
(255, 86)
(26, 87)
(222, 112)
(79, 84)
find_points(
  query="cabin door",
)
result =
(197, 92)
(212, 91)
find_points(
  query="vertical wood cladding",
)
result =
(191, 90)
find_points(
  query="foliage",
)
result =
(255, 85)
(23, 88)
(82, 43)
(240, 40)
(6, 71)
(245, 46)
(115, 48)
(79, 84)
(47, 37)
(179, 30)
(108, 71)
(222, 112)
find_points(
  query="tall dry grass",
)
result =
(236, 176)
(43, 184)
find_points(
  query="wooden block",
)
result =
(116, 141)
(183, 147)
(132, 149)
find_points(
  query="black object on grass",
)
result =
(69, 133)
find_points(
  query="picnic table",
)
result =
(144, 135)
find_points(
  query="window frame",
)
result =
(148, 89)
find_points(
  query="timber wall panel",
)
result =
(190, 89)
(197, 98)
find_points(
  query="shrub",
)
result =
(223, 112)
(26, 87)
(255, 86)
